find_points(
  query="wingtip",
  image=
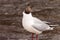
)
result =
(54, 25)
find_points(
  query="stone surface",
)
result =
(11, 17)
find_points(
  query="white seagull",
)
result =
(33, 24)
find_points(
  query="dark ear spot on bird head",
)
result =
(28, 9)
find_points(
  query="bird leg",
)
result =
(36, 36)
(32, 36)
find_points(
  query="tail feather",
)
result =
(51, 28)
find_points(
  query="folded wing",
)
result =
(40, 25)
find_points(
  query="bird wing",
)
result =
(46, 22)
(40, 25)
(39, 20)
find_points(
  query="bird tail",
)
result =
(50, 28)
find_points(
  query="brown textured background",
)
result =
(11, 16)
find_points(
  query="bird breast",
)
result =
(27, 21)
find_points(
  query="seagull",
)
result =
(33, 24)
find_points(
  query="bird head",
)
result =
(28, 9)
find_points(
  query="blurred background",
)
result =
(11, 17)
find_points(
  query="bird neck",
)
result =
(27, 15)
